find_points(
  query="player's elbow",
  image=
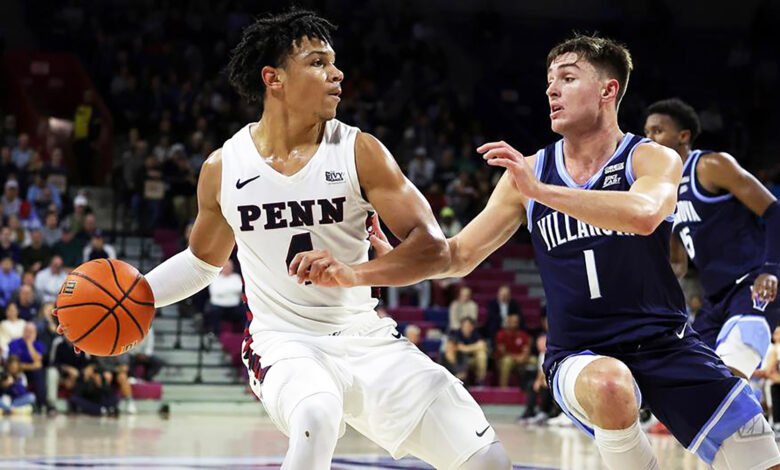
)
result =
(647, 220)
(436, 249)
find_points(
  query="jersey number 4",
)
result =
(593, 275)
(298, 244)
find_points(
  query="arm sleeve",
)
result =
(180, 277)
(772, 223)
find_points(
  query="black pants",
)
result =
(93, 408)
(775, 391)
(151, 365)
(543, 396)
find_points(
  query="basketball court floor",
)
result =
(252, 442)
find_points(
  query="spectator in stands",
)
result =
(143, 356)
(537, 390)
(42, 195)
(422, 290)
(182, 184)
(27, 303)
(454, 361)
(46, 327)
(462, 307)
(513, 349)
(37, 254)
(14, 397)
(149, 201)
(70, 248)
(19, 233)
(7, 166)
(449, 224)
(498, 310)
(30, 352)
(98, 248)
(413, 334)
(421, 169)
(51, 231)
(9, 131)
(88, 229)
(11, 202)
(77, 218)
(93, 393)
(224, 299)
(64, 368)
(473, 348)
(9, 281)
(11, 328)
(116, 371)
(462, 194)
(58, 174)
(86, 130)
(22, 153)
(48, 281)
(8, 248)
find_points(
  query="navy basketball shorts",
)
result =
(683, 382)
(736, 301)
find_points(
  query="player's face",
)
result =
(574, 89)
(662, 130)
(312, 83)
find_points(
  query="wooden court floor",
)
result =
(252, 442)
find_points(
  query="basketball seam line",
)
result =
(127, 294)
(110, 311)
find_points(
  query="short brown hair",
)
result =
(605, 54)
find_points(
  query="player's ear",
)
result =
(610, 90)
(273, 77)
(685, 137)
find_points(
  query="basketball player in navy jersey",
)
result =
(599, 205)
(300, 179)
(716, 223)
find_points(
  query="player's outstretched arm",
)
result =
(423, 250)
(651, 199)
(211, 242)
(497, 222)
(721, 171)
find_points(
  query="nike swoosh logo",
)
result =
(480, 434)
(739, 281)
(240, 184)
(682, 332)
(397, 335)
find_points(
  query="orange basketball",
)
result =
(105, 307)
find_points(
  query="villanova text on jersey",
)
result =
(722, 236)
(604, 287)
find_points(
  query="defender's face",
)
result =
(574, 89)
(662, 130)
(312, 83)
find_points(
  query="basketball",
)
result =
(105, 307)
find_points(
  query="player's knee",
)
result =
(492, 456)
(606, 385)
(317, 417)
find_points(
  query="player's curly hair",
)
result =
(605, 54)
(268, 42)
(683, 115)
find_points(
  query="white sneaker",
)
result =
(561, 421)
(131, 409)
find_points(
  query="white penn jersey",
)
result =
(274, 216)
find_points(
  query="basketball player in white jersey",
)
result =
(299, 180)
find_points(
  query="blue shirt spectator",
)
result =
(9, 281)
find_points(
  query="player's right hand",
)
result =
(378, 239)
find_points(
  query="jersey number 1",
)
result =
(298, 244)
(593, 276)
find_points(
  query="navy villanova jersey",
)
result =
(721, 235)
(604, 288)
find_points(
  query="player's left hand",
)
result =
(504, 155)
(765, 287)
(321, 268)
